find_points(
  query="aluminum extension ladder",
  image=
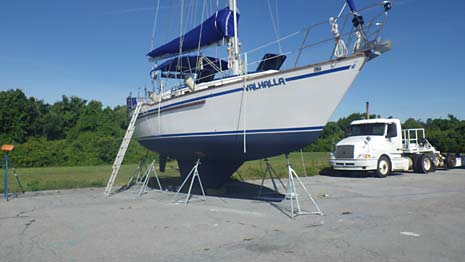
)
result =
(122, 150)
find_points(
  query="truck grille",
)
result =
(345, 151)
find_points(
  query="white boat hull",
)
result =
(247, 118)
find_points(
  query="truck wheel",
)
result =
(384, 167)
(450, 161)
(425, 164)
(415, 163)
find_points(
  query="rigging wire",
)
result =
(216, 47)
(200, 38)
(244, 97)
(276, 32)
(277, 15)
(271, 43)
(181, 38)
(342, 10)
(152, 42)
(189, 21)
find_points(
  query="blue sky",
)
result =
(96, 49)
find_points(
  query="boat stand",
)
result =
(136, 178)
(195, 174)
(269, 171)
(292, 195)
(146, 177)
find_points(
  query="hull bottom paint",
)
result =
(222, 155)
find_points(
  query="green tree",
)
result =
(19, 116)
(413, 123)
(53, 126)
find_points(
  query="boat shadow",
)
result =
(231, 189)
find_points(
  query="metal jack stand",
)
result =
(270, 171)
(17, 179)
(195, 174)
(293, 195)
(147, 175)
(138, 174)
(136, 178)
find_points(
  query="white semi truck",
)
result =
(382, 145)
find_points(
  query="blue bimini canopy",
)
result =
(213, 30)
(202, 65)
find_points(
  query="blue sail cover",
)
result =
(351, 6)
(213, 30)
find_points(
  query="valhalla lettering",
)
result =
(266, 84)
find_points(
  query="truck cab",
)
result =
(372, 145)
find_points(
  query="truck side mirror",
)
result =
(392, 131)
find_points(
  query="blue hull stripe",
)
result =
(240, 89)
(317, 73)
(237, 132)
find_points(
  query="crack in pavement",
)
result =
(28, 224)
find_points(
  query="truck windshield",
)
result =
(376, 129)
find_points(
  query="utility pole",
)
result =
(367, 110)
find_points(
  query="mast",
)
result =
(234, 56)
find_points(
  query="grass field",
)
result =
(50, 178)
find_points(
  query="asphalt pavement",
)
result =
(404, 217)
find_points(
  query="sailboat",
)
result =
(224, 114)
